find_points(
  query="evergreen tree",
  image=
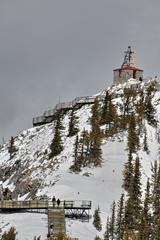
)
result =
(149, 108)
(76, 148)
(145, 144)
(73, 128)
(56, 146)
(156, 188)
(129, 97)
(112, 223)
(155, 227)
(156, 208)
(37, 238)
(129, 225)
(120, 219)
(140, 107)
(95, 136)
(145, 225)
(154, 171)
(97, 238)
(133, 204)
(10, 234)
(12, 149)
(59, 120)
(128, 172)
(97, 220)
(155, 197)
(76, 167)
(133, 139)
(85, 148)
(109, 115)
(135, 189)
(106, 234)
(105, 109)
(81, 152)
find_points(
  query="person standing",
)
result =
(58, 202)
(51, 230)
(54, 201)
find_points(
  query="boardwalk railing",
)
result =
(77, 102)
(34, 204)
(44, 204)
(77, 204)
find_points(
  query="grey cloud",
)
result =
(62, 49)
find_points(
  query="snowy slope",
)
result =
(30, 169)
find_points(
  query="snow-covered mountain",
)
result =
(31, 173)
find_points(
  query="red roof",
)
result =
(128, 68)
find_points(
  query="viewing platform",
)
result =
(48, 115)
(56, 213)
(43, 204)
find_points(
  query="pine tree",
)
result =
(37, 238)
(85, 146)
(145, 144)
(112, 222)
(12, 149)
(156, 189)
(120, 219)
(156, 208)
(76, 148)
(10, 234)
(109, 115)
(97, 220)
(136, 189)
(154, 171)
(76, 167)
(105, 109)
(128, 173)
(155, 227)
(59, 119)
(73, 128)
(106, 234)
(133, 139)
(133, 203)
(95, 136)
(97, 238)
(149, 108)
(155, 197)
(140, 107)
(145, 224)
(56, 146)
(129, 96)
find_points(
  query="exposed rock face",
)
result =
(26, 186)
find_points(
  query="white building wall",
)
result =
(121, 76)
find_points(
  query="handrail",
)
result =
(29, 204)
(66, 105)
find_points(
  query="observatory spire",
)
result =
(129, 58)
(128, 69)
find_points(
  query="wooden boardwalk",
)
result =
(48, 116)
(56, 214)
(43, 204)
(56, 217)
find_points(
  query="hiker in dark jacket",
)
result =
(58, 202)
(51, 229)
(54, 201)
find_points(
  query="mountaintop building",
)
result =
(128, 69)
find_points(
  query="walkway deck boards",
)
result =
(40, 204)
(56, 214)
(56, 217)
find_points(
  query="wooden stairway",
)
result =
(56, 216)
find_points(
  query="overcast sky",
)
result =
(61, 49)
